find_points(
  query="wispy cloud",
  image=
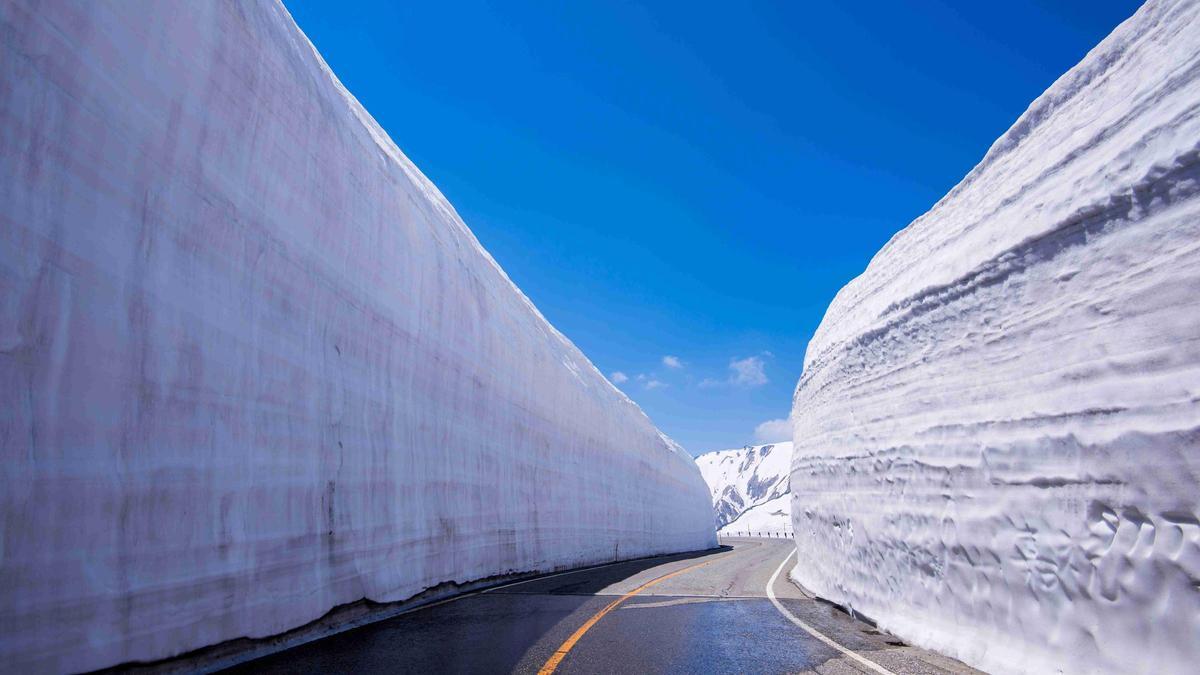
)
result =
(655, 384)
(748, 372)
(773, 431)
(618, 377)
(672, 361)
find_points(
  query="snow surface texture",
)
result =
(998, 426)
(253, 366)
(749, 487)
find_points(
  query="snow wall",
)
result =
(254, 366)
(997, 433)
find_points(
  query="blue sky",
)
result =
(697, 180)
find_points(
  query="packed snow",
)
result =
(772, 518)
(252, 364)
(749, 487)
(998, 426)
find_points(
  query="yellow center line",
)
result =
(563, 649)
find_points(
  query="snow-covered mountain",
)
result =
(253, 366)
(749, 487)
(998, 425)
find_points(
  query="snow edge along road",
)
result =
(875, 667)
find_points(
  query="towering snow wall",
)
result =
(253, 366)
(997, 433)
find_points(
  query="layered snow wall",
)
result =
(998, 427)
(252, 364)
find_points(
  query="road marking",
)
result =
(685, 600)
(469, 594)
(565, 648)
(813, 631)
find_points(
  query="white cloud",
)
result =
(672, 361)
(655, 384)
(618, 377)
(748, 372)
(773, 431)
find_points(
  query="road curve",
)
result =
(704, 612)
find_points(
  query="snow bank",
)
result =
(998, 426)
(749, 487)
(253, 366)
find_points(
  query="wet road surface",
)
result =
(711, 615)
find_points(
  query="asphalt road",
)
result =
(691, 613)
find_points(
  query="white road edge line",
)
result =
(589, 569)
(489, 589)
(551, 576)
(813, 631)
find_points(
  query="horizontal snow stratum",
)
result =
(997, 432)
(253, 365)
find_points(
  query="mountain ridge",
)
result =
(743, 480)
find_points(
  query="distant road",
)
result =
(691, 613)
